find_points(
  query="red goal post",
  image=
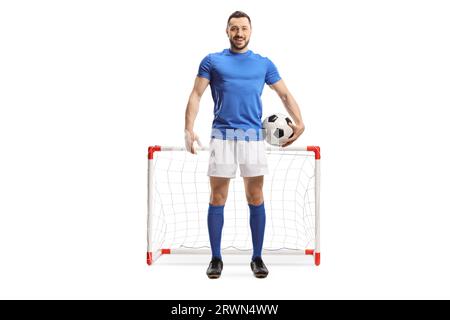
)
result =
(178, 195)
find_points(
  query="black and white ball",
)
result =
(276, 129)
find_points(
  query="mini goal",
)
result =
(178, 199)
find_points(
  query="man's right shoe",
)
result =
(215, 268)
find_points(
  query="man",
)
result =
(237, 77)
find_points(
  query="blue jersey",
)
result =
(237, 81)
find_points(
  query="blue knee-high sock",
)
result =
(257, 225)
(215, 225)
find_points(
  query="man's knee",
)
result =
(255, 198)
(218, 198)
(219, 190)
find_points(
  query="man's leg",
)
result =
(255, 199)
(219, 193)
(254, 194)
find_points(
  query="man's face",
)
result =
(239, 32)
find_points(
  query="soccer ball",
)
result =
(276, 129)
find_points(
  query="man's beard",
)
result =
(235, 47)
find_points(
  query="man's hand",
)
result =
(189, 138)
(298, 130)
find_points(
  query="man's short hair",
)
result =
(239, 14)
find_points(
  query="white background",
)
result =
(86, 86)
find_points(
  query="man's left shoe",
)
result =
(259, 268)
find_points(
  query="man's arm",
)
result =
(292, 108)
(192, 110)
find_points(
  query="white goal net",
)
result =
(178, 200)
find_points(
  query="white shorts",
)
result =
(226, 155)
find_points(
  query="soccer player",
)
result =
(237, 77)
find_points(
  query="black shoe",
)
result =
(215, 268)
(259, 268)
